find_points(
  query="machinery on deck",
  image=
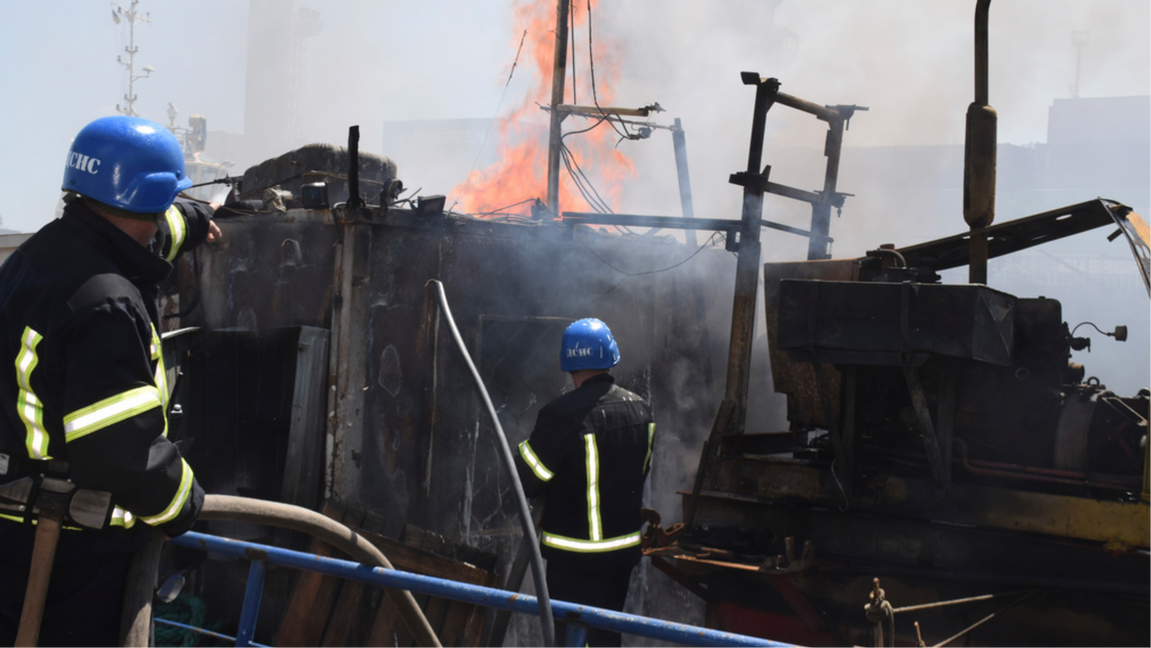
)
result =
(944, 458)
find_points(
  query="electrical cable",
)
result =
(547, 625)
(499, 211)
(1092, 325)
(591, 66)
(628, 275)
(583, 183)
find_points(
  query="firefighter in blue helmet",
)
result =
(588, 456)
(83, 401)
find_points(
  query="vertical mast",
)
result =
(134, 18)
(559, 78)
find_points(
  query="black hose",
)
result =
(288, 516)
(546, 622)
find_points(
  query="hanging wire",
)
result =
(591, 66)
(503, 95)
(583, 183)
(628, 275)
(500, 210)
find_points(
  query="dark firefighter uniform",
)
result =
(85, 384)
(589, 455)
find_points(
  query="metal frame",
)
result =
(578, 616)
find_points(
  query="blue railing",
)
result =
(577, 616)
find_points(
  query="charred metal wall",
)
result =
(406, 434)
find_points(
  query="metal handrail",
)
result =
(573, 614)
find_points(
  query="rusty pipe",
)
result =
(982, 13)
(1036, 474)
(979, 160)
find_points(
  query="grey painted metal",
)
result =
(303, 465)
(347, 373)
(679, 142)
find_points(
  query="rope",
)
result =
(188, 610)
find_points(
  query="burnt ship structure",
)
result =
(316, 368)
(946, 474)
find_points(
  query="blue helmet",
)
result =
(588, 344)
(126, 162)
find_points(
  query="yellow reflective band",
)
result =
(122, 518)
(590, 546)
(650, 440)
(594, 522)
(28, 405)
(177, 503)
(111, 410)
(154, 348)
(160, 378)
(176, 226)
(534, 462)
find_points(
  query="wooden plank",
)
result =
(454, 625)
(435, 608)
(312, 596)
(474, 626)
(386, 625)
(418, 561)
(403, 635)
(343, 614)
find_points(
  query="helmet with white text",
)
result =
(588, 344)
(128, 163)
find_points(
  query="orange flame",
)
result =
(520, 175)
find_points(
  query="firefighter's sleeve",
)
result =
(540, 455)
(115, 428)
(183, 227)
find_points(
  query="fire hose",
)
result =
(288, 516)
(545, 613)
(141, 579)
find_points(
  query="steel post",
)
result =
(559, 79)
(979, 155)
(253, 595)
(680, 143)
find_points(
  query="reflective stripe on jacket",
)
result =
(85, 381)
(589, 455)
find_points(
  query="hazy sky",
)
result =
(910, 62)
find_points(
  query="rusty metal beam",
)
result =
(601, 111)
(833, 429)
(671, 222)
(924, 426)
(346, 372)
(559, 79)
(1016, 235)
(979, 155)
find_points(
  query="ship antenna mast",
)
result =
(134, 18)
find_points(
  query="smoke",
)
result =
(386, 66)
(377, 63)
